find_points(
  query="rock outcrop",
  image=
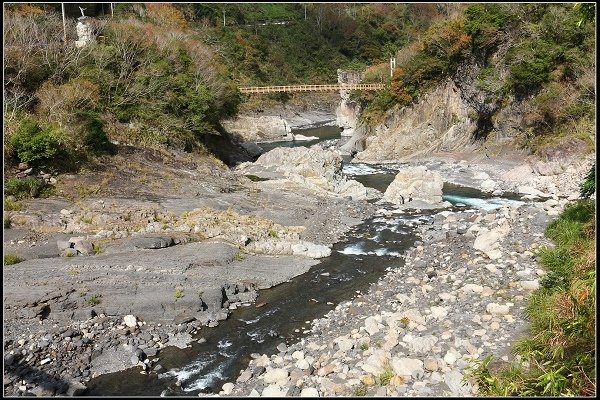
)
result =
(438, 122)
(310, 167)
(264, 127)
(415, 183)
(348, 111)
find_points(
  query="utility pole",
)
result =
(392, 66)
(305, 12)
(112, 10)
(223, 16)
(64, 24)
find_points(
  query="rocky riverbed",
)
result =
(110, 280)
(459, 297)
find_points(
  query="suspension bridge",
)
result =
(311, 88)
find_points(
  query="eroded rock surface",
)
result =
(416, 183)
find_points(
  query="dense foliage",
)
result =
(588, 186)
(538, 53)
(145, 81)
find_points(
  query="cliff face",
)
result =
(438, 122)
(458, 114)
(348, 111)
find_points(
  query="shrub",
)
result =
(10, 259)
(580, 211)
(96, 248)
(35, 145)
(12, 205)
(377, 103)
(360, 390)
(484, 23)
(531, 68)
(93, 300)
(399, 91)
(178, 293)
(386, 376)
(443, 47)
(95, 138)
(21, 188)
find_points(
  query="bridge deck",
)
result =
(312, 88)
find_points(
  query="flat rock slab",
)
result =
(145, 282)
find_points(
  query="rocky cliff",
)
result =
(262, 119)
(348, 111)
(438, 122)
(463, 113)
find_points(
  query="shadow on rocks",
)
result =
(25, 380)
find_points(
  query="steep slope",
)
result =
(496, 78)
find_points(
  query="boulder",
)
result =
(488, 185)
(227, 388)
(275, 375)
(547, 168)
(130, 320)
(371, 325)
(530, 285)
(274, 391)
(497, 309)
(259, 128)
(489, 241)
(406, 366)
(304, 161)
(454, 381)
(309, 392)
(288, 247)
(252, 149)
(312, 167)
(376, 362)
(212, 299)
(75, 388)
(415, 183)
(530, 191)
(422, 344)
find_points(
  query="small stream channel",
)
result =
(360, 259)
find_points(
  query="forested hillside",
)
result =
(166, 74)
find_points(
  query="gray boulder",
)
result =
(415, 183)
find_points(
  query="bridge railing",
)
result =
(312, 88)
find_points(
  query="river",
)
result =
(358, 260)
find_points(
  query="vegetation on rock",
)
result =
(10, 259)
(535, 55)
(166, 74)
